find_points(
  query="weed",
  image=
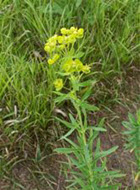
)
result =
(90, 170)
(133, 138)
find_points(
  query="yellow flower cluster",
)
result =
(71, 66)
(58, 83)
(68, 36)
(73, 32)
(56, 44)
(50, 46)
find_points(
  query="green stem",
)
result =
(82, 133)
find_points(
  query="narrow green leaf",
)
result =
(102, 154)
(72, 143)
(87, 94)
(99, 129)
(79, 55)
(57, 9)
(78, 3)
(38, 153)
(64, 150)
(67, 124)
(87, 83)
(88, 106)
(68, 134)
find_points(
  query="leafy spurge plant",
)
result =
(90, 171)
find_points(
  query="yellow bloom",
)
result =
(64, 31)
(60, 39)
(71, 66)
(79, 65)
(86, 69)
(47, 48)
(54, 59)
(73, 29)
(52, 39)
(61, 47)
(71, 39)
(58, 83)
(80, 33)
(50, 61)
(66, 39)
(67, 66)
(50, 47)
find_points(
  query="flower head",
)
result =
(67, 66)
(80, 33)
(53, 59)
(47, 48)
(50, 47)
(52, 39)
(61, 47)
(58, 83)
(79, 65)
(61, 39)
(64, 31)
(50, 61)
(73, 29)
(71, 66)
(68, 36)
(86, 69)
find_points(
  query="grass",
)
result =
(23, 88)
(111, 27)
(111, 45)
(111, 34)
